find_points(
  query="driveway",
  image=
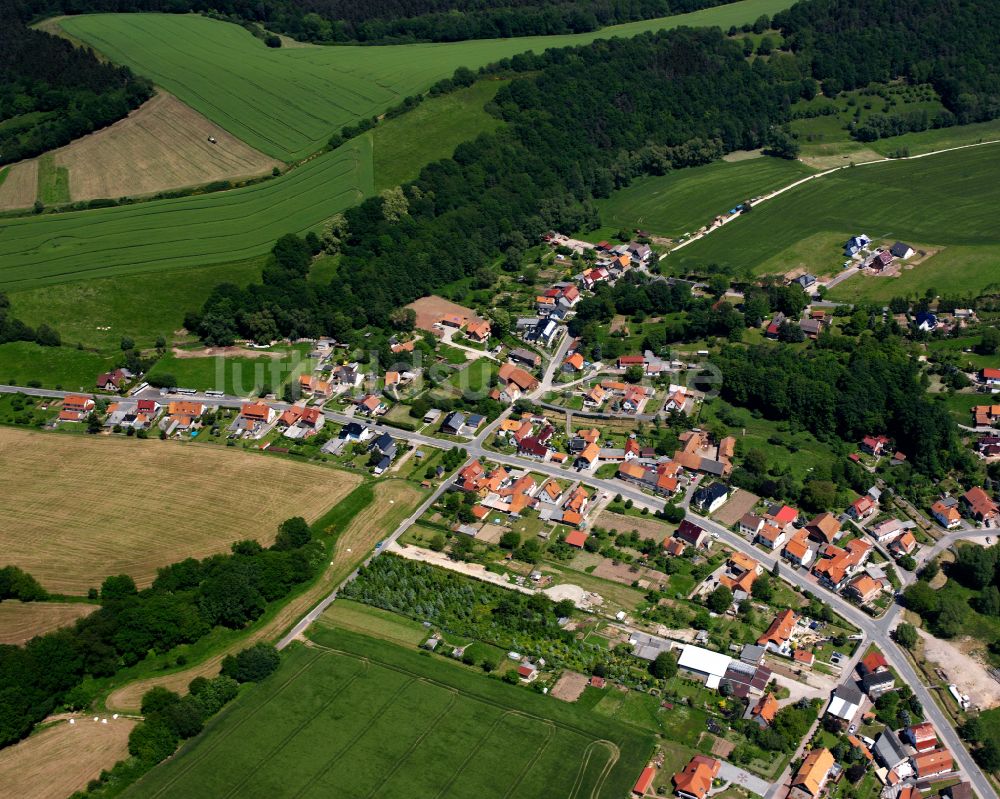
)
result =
(743, 778)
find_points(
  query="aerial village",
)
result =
(592, 482)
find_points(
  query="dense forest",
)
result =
(869, 386)
(52, 92)
(184, 603)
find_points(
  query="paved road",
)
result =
(876, 631)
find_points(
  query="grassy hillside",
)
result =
(945, 199)
(682, 201)
(188, 231)
(287, 102)
(430, 132)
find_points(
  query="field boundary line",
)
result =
(333, 759)
(616, 754)
(294, 732)
(551, 731)
(420, 739)
(208, 750)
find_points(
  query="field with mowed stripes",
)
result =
(349, 716)
(187, 231)
(287, 102)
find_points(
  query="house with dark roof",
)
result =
(453, 423)
(877, 683)
(709, 499)
(901, 250)
(889, 752)
(691, 534)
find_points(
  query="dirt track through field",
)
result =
(22, 621)
(20, 187)
(92, 506)
(393, 500)
(64, 758)
(162, 145)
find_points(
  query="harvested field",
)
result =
(627, 574)
(138, 505)
(161, 145)
(431, 309)
(570, 686)
(22, 621)
(394, 501)
(63, 758)
(739, 503)
(19, 186)
(647, 527)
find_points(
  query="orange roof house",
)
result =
(574, 362)
(934, 762)
(695, 781)
(391, 379)
(577, 499)
(591, 436)
(815, 769)
(780, 630)
(865, 587)
(576, 538)
(590, 453)
(797, 550)
(257, 411)
(645, 781)
(981, 506)
(478, 331)
(803, 656)
(923, 737)
(763, 712)
(631, 469)
(77, 403)
(823, 528)
(524, 380)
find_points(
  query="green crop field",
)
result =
(239, 377)
(188, 231)
(430, 132)
(362, 717)
(682, 201)
(286, 102)
(64, 367)
(942, 200)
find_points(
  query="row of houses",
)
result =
(975, 503)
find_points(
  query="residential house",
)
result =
(695, 781)
(384, 445)
(308, 422)
(811, 327)
(588, 458)
(886, 531)
(901, 250)
(181, 415)
(347, 375)
(930, 764)
(945, 510)
(741, 572)
(352, 431)
(765, 709)
(856, 244)
(432, 415)
(777, 635)
(980, 506)
(592, 277)
(640, 253)
(537, 446)
(676, 402)
(880, 260)
(904, 545)
(573, 363)
(872, 662)
(115, 380)
(751, 524)
(527, 672)
(865, 588)
(576, 538)
(813, 773)
(889, 752)
(771, 536)
(874, 445)
(782, 516)
(75, 408)
(699, 455)
(371, 405)
(990, 376)
(626, 361)
(544, 330)
(824, 529)
(861, 509)
(661, 479)
(986, 415)
(806, 281)
(478, 331)
(691, 534)
(709, 499)
(926, 321)
(845, 702)
(771, 331)
(595, 397)
(922, 737)
(837, 565)
(796, 549)
(803, 657)
(877, 683)
(453, 423)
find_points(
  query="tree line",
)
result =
(52, 92)
(185, 602)
(13, 329)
